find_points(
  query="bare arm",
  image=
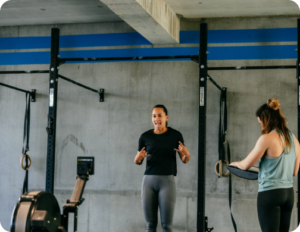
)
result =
(183, 153)
(297, 150)
(258, 151)
(140, 156)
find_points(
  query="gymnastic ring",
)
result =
(22, 160)
(217, 169)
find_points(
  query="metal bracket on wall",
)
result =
(206, 224)
(195, 59)
(100, 92)
(61, 62)
(49, 128)
(33, 95)
(101, 95)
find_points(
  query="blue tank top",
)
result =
(275, 173)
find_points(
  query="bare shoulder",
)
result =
(265, 138)
(297, 148)
(295, 140)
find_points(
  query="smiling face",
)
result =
(159, 118)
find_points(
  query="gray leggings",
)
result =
(159, 191)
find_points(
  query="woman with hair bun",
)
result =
(277, 151)
(159, 146)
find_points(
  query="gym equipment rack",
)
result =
(201, 59)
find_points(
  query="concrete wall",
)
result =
(110, 130)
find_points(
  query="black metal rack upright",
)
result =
(51, 129)
(202, 127)
(298, 104)
(52, 113)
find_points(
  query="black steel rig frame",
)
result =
(298, 101)
(201, 59)
(201, 219)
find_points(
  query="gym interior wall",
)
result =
(110, 131)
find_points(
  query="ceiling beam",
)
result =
(153, 19)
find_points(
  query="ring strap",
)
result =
(27, 166)
(224, 148)
(219, 168)
(222, 124)
(25, 149)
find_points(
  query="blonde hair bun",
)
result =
(273, 103)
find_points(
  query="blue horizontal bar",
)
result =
(73, 41)
(8, 43)
(133, 52)
(252, 52)
(215, 53)
(19, 58)
(242, 36)
(134, 38)
(98, 40)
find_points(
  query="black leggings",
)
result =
(274, 208)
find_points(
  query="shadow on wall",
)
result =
(66, 164)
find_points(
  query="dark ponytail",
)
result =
(272, 118)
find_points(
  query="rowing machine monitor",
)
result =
(85, 165)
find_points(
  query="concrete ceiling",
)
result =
(33, 12)
(232, 8)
